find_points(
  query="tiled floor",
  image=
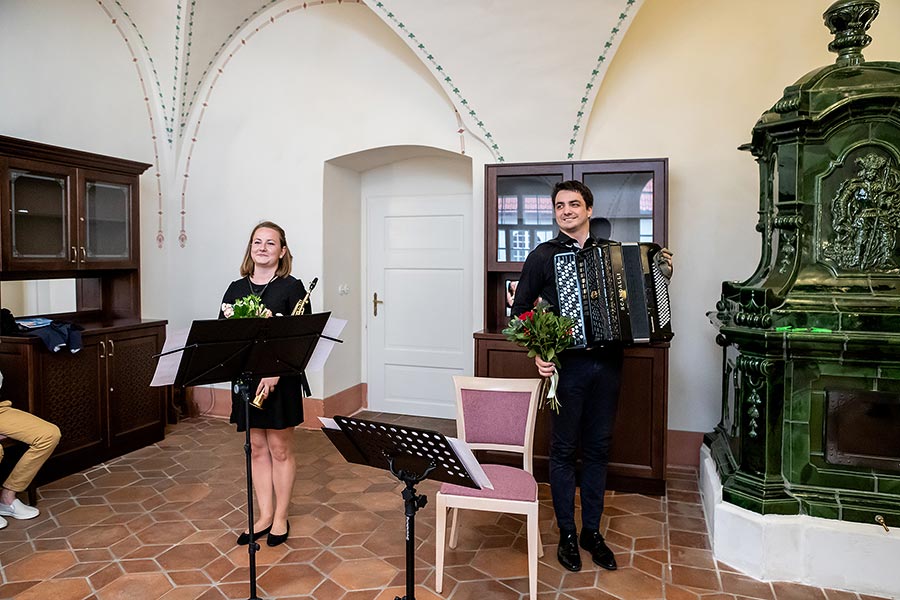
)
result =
(161, 523)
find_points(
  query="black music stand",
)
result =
(237, 350)
(411, 455)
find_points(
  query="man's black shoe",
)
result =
(593, 542)
(567, 553)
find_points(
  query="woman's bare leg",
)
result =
(284, 469)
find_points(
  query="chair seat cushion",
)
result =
(510, 483)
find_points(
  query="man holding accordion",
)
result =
(588, 388)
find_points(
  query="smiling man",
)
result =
(588, 389)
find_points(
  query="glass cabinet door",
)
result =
(107, 215)
(37, 203)
(521, 208)
(630, 196)
(40, 219)
(106, 220)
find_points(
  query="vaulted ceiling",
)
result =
(521, 73)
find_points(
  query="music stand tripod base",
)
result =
(411, 455)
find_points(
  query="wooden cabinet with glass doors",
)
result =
(630, 197)
(66, 210)
(69, 223)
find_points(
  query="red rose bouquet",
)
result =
(543, 334)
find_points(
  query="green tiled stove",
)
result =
(811, 341)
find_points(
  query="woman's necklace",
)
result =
(263, 290)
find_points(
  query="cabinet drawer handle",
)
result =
(102, 349)
(83, 254)
(73, 254)
(112, 348)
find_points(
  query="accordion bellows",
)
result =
(615, 293)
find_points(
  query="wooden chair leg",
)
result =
(454, 528)
(534, 549)
(439, 541)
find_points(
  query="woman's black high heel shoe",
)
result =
(244, 538)
(275, 540)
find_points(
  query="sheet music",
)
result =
(333, 329)
(167, 367)
(470, 462)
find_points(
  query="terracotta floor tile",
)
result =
(689, 539)
(706, 579)
(794, 591)
(636, 526)
(40, 565)
(682, 523)
(630, 583)
(105, 576)
(692, 557)
(279, 582)
(147, 586)
(675, 592)
(162, 523)
(363, 574)
(84, 515)
(184, 593)
(741, 585)
(57, 589)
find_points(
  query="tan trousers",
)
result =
(41, 437)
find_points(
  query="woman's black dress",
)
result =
(284, 406)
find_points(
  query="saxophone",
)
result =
(299, 309)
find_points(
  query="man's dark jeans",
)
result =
(588, 393)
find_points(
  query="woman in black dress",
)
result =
(266, 272)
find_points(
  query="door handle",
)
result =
(102, 349)
(375, 303)
(112, 348)
(73, 254)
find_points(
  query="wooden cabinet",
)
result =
(66, 210)
(72, 215)
(631, 196)
(99, 397)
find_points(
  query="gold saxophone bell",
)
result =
(258, 401)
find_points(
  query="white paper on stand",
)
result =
(470, 462)
(329, 423)
(167, 367)
(333, 329)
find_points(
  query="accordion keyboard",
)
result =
(569, 293)
(661, 287)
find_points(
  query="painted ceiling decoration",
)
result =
(160, 235)
(502, 71)
(593, 84)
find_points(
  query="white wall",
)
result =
(342, 251)
(689, 82)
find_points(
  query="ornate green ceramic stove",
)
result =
(811, 341)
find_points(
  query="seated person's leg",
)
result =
(42, 438)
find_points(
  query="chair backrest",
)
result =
(497, 414)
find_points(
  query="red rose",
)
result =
(526, 315)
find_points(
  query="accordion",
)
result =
(615, 293)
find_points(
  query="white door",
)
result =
(419, 332)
